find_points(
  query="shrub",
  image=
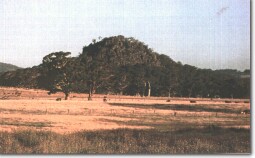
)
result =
(27, 138)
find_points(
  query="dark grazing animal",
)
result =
(58, 99)
(247, 111)
(105, 99)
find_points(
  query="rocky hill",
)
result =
(121, 51)
(119, 65)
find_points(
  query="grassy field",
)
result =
(127, 125)
(208, 140)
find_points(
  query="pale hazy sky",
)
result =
(205, 33)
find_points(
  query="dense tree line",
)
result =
(119, 65)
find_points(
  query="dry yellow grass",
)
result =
(34, 109)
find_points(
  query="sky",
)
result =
(211, 34)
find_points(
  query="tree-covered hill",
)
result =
(7, 67)
(119, 65)
(235, 73)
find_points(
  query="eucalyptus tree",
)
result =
(59, 72)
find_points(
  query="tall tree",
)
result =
(59, 72)
(98, 70)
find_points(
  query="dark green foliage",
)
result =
(21, 78)
(207, 140)
(119, 65)
(58, 71)
(103, 61)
